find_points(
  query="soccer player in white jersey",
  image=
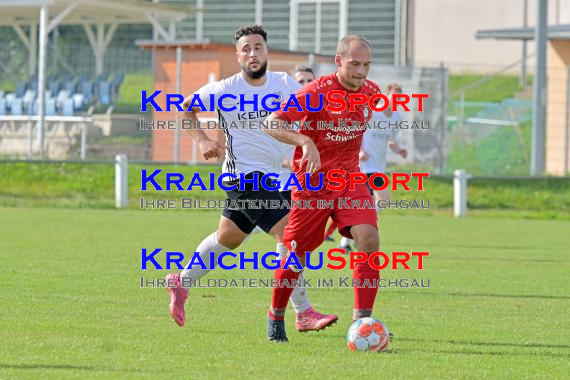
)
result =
(381, 136)
(247, 151)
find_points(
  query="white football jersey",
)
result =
(375, 142)
(250, 149)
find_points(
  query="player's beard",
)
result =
(251, 74)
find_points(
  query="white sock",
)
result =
(281, 250)
(209, 244)
(299, 298)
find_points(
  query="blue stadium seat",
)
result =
(78, 102)
(16, 107)
(34, 107)
(54, 87)
(28, 100)
(70, 86)
(67, 107)
(61, 96)
(33, 83)
(9, 98)
(21, 87)
(118, 78)
(87, 91)
(105, 93)
(116, 84)
(101, 78)
(50, 107)
(2, 106)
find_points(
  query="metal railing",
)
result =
(18, 127)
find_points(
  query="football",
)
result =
(368, 334)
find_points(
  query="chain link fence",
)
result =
(491, 139)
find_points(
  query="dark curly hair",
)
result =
(249, 30)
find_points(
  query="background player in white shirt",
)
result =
(374, 149)
(376, 142)
(248, 151)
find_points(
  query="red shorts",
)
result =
(306, 228)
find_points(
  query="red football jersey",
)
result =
(338, 145)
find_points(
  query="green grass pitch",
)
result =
(498, 305)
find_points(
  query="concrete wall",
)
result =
(444, 31)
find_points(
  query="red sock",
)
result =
(365, 294)
(280, 296)
(332, 227)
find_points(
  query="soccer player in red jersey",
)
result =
(318, 151)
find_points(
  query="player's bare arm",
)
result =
(208, 147)
(311, 154)
(288, 164)
(395, 147)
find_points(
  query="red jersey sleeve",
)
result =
(289, 111)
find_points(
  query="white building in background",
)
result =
(444, 31)
(307, 25)
(404, 32)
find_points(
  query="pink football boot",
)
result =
(312, 320)
(178, 296)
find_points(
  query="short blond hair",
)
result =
(344, 43)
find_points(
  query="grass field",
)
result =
(81, 185)
(71, 305)
(493, 90)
